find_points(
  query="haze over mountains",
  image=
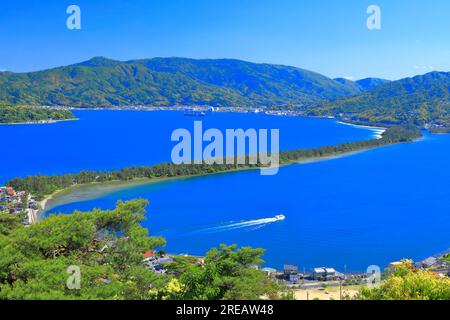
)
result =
(101, 82)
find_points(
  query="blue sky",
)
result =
(326, 36)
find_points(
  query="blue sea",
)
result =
(105, 140)
(369, 208)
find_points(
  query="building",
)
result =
(269, 271)
(291, 273)
(289, 268)
(165, 260)
(154, 263)
(394, 265)
(148, 254)
(10, 191)
(12, 202)
(324, 274)
(427, 263)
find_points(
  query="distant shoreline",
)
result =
(36, 122)
(242, 110)
(205, 108)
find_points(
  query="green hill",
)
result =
(24, 114)
(350, 84)
(370, 83)
(422, 100)
(363, 84)
(102, 82)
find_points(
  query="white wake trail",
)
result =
(252, 225)
(240, 225)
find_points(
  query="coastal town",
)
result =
(319, 283)
(18, 203)
(324, 279)
(195, 109)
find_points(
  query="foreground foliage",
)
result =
(9, 222)
(408, 283)
(108, 247)
(225, 273)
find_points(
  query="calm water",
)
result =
(103, 140)
(369, 208)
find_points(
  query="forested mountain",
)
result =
(350, 84)
(102, 82)
(369, 83)
(423, 100)
(363, 84)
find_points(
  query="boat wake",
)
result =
(250, 224)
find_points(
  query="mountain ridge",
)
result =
(422, 100)
(103, 82)
(362, 84)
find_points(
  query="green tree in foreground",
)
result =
(10, 222)
(225, 273)
(108, 248)
(408, 283)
